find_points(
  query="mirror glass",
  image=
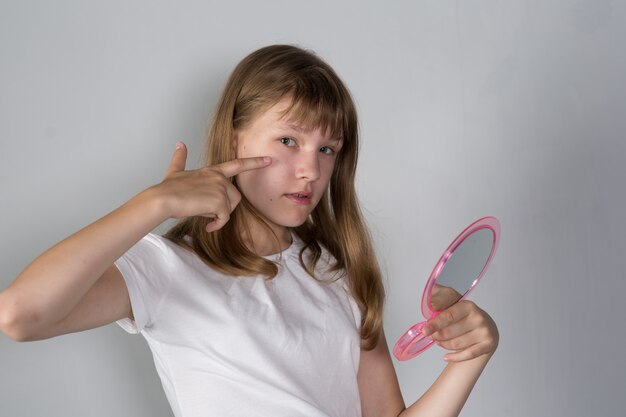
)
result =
(461, 269)
(454, 277)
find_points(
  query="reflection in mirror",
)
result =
(443, 297)
(462, 268)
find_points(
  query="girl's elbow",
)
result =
(12, 324)
(16, 334)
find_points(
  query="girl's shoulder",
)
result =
(157, 245)
(161, 252)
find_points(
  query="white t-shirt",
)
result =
(244, 346)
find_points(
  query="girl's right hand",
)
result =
(207, 191)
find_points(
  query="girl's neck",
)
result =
(262, 242)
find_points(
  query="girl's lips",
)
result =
(300, 198)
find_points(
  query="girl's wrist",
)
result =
(155, 203)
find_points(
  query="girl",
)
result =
(265, 299)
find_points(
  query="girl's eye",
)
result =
(327, 150)
(288, 141)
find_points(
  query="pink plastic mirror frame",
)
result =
(412, 343)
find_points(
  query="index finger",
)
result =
(236, 166)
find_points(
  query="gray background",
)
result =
(484, 107)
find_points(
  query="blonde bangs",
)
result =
(317, 112)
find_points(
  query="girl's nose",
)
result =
(308, 166)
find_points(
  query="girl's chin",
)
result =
(291, 223)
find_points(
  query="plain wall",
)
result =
(507, 108)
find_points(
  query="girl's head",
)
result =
(291, 86)
(299, 88)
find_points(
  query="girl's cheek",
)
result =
(278, 169)
(327, 166)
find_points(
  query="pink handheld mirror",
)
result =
(454, 277)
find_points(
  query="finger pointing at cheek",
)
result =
(230, 169)
(237, 166)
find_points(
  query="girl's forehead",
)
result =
(284, 109)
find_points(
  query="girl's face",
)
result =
(286, 191)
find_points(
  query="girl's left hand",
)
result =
(465, 329)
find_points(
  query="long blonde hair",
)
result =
(319, 99)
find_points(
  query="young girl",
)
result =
(265, 299)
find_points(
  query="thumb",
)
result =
(178, 161)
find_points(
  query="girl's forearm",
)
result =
(446, 397)
(51, 286)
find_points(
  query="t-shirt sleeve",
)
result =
(147, 274)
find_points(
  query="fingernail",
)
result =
(179, 145)
(267, 159)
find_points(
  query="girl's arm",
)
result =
(74, 285)
(56, 294)
(464, 328)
